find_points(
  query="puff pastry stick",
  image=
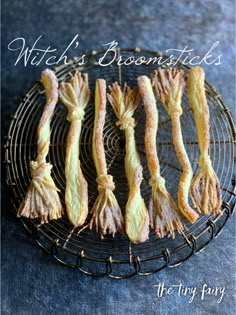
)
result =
(42, 199)
(168, 85)
(124, 104)
(75, 96)
(205, 187)
(163, 211)
(106, 213)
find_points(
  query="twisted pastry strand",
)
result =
(168, 85)
(124, 104)
(42, 199)
(164, 215)
(106, 213)
(205, 186)
(75, 96)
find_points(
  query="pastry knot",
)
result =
(206, 164)
(76, 113)
(204, 161)
(125, 122)
(157, 181)
(174, 108)
(39, 171)
(105, 182)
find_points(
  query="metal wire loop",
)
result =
(137, 264)
(229, 210)
(166, 256)
(192, 240)
(213, 227)
(79, 260)
(109, 265)
(54, 247)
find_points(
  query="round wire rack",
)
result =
(82, 248)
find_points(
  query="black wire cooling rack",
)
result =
(81, 248)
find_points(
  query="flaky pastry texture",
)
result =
(124, 103)
(42, 199)
(205, 187)
(106, 213)
(169, 85)
(75, 96)
(163, 211)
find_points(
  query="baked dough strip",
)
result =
(42, 199)
(163, 211)
(169, 85)
(124, 104)
(75, 96)
(106, 213)
(205, 186)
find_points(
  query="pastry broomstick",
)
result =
(42, 199)
(205, 187)
(168, 85)
(75, 96)
(124, 104)
(106, 213)
(164, 215)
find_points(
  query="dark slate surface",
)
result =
(32, 282)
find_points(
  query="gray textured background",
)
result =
(33, 283)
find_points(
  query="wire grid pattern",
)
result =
(82, 248)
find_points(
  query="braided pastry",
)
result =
(42, 199)
(168, 85)
(124, 104)
(106, 213)
(205, 186)
(164, 215)
(75, 96)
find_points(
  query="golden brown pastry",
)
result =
(163, 212)
(106, 213)
(205, 187)
(75, 96)
(42, 199)
(169, 85)
(124, 104)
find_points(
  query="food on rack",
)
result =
(124, 104)
(169, 85)
(42, 199)
(205, 186)
(163, 211)
(75, 96)
(106, 213)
